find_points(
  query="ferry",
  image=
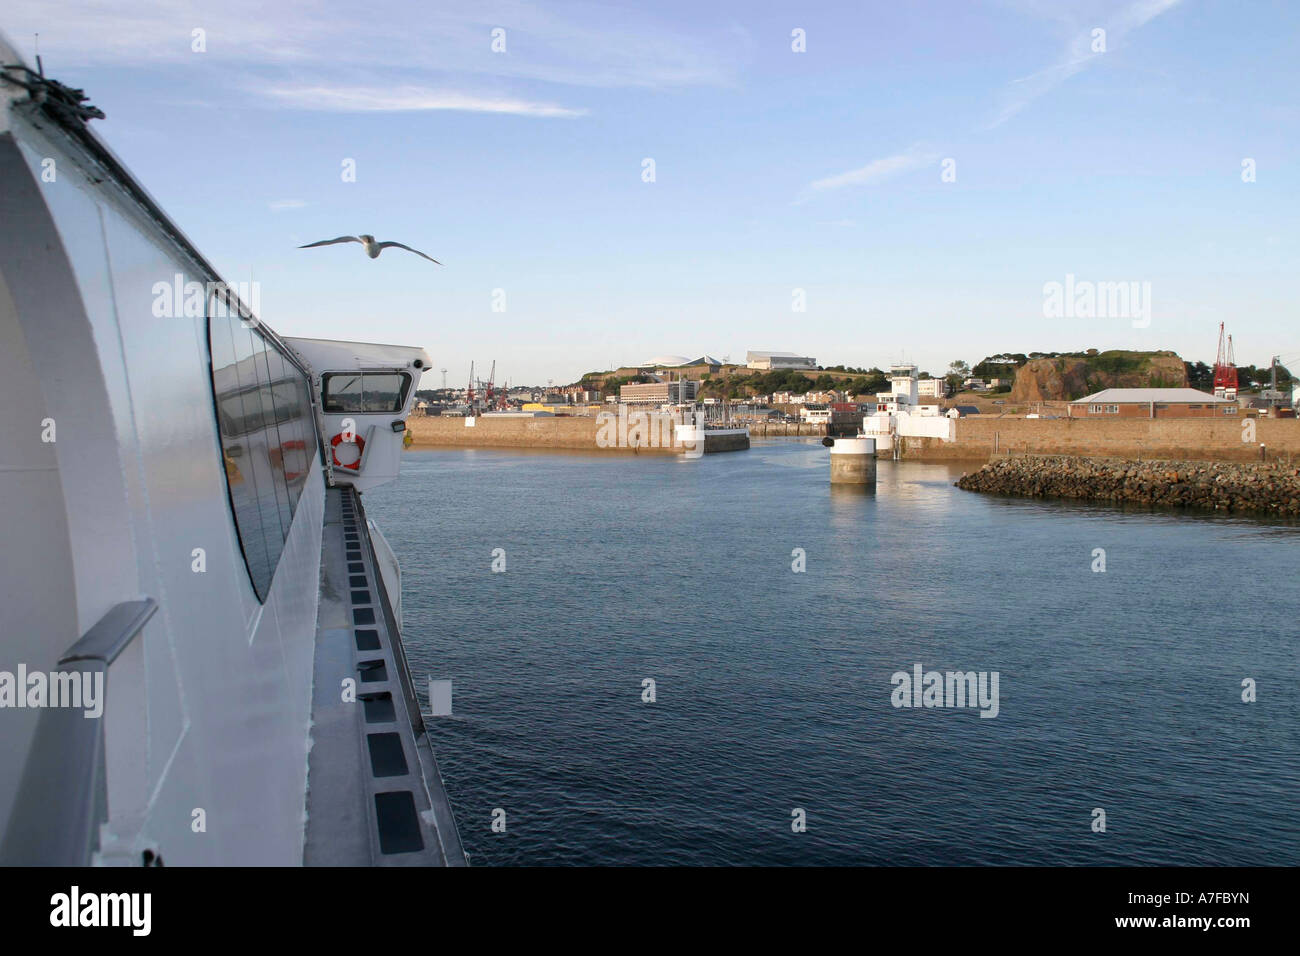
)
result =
(202, 658)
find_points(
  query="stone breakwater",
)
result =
(1220, 486)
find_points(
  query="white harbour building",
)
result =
(900, 412)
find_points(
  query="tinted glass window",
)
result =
(291, 411)
(365, 391)
(232, 373)
(268, 373)
(261, 440)
(268, 439)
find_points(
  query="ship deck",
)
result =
(374, 793)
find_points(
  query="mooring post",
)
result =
(853, 461)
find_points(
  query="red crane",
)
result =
(491, 386)
(469, 392)
(1225, 369)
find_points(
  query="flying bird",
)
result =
(373, 249)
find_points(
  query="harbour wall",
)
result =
(982, 438)
(795, 430)
(577, 433)
(656, 436)
(976, 438)
(725, 441)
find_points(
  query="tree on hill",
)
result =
(1262, 377)
(871, 383)
(999, 366)
(1200, 376)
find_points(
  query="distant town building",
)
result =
(836, 417)
(577, 394)
(931, 388)
(774, 361)
(1151, 403)
(659, 393)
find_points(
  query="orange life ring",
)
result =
(361, 446)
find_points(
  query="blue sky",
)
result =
(774, 170)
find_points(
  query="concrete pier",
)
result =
(853, 461)
(725, 439)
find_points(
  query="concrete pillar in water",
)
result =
(853, 461)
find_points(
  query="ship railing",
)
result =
(62, 796)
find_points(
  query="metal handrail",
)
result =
(63, 795)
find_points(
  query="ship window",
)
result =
(268, 439)
(274, 495)
(364, 391)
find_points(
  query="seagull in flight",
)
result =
(373, 249)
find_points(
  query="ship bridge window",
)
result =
(364, 391)
(268, 438)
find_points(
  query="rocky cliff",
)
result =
(1069, 377)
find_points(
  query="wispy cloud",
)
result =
(1078, 53)
(876, 171)
(280, 205)
(403, 99)
(571, 43)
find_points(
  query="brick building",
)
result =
(1151, 403)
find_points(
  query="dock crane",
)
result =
(1225, 369)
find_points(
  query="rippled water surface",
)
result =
(1119, 690)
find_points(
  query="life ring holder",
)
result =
(361, 447)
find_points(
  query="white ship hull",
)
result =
(123, 480)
